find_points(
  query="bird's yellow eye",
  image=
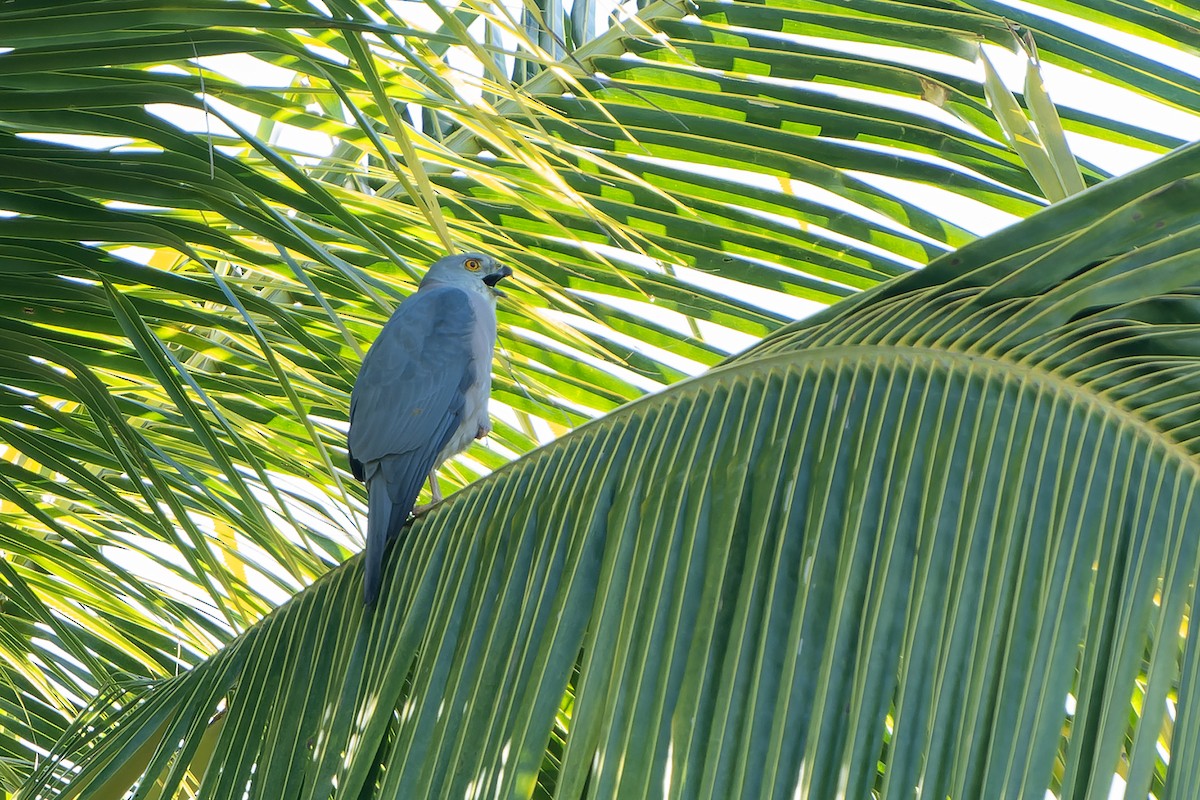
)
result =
(472, 264)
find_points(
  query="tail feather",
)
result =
(379, 518)
(392, 489)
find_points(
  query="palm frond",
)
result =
(197, 251)
(886, 548)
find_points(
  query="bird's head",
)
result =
(469, 270)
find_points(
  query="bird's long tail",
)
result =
(392, 490)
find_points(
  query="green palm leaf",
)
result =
(685, 183)
(884, 549)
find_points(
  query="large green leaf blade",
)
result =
(781, 145)
(875, 552)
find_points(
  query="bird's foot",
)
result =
(434, 490)
(424, 508)
(484, 430)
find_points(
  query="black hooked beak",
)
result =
(495, 277)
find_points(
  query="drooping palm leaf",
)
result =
(886, 549)
(170, 458)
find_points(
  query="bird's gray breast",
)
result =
(475, 399)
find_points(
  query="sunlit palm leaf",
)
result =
(171, 461)
(884, 549)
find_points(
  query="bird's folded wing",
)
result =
(410, 392)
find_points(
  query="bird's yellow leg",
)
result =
(434, 490)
